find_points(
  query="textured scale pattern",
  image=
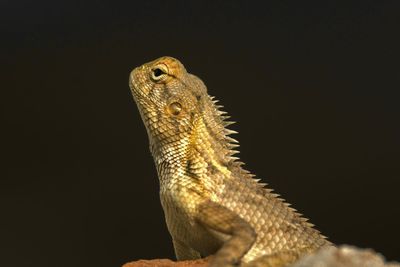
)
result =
(194, 157)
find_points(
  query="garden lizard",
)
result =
(212, 205)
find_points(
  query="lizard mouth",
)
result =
(135, 82)
(132, 83)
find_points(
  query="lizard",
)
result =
(212, 204)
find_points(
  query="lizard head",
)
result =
(168, 99)
(179, 114)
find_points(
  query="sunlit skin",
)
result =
(211, 204)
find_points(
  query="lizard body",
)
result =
(212, 205)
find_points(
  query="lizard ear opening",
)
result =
(175, 108)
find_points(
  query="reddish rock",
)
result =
(343, 256)
(167, 263)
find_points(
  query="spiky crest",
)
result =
(222, 122)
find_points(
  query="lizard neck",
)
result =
(204, 155)
(169, 157)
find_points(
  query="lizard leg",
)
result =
(184, 252)
(218, 218)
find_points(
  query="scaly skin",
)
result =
(211, 204)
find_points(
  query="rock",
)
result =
(342, 256)
(168, 263)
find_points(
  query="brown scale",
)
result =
(212, 205)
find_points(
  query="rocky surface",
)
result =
(343, 256)
(167, 263)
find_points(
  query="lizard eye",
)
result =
(175, 108)
(159, 72)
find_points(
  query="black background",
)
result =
(313, 85)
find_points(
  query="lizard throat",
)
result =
(201, 154)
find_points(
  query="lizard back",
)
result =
(194, 157)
